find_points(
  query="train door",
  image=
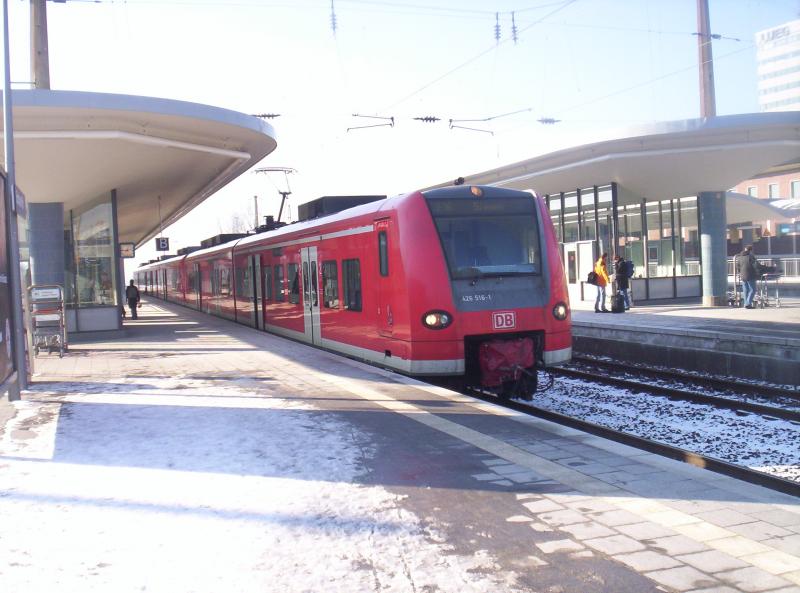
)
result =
(384, 284)
(311, 294)
(258, 292)
(198, 287)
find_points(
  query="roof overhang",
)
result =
(741, 208)
(74, 147)
(671, 159)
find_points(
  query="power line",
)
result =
(652, 80)
(477, 56)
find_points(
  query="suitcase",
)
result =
(617, 303)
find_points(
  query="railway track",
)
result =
(708, 462)
(609, 374)
(744, 388)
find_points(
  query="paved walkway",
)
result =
(198, 455)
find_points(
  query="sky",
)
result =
(595, 65)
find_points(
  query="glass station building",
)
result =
(661, 238)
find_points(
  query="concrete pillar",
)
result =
(46, 242)
(713, 247)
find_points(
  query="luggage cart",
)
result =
(735, 297)
(47, 317)
(770, 280)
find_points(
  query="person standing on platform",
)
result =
(623, 275)
(132, 294)
(602, 281)
(747, 265)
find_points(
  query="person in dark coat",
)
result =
(747, 266)
(132, 294)
(623, 280)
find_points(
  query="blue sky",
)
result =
(593, 64)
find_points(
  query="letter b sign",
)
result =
(504, 320)
(162, 244)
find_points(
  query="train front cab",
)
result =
(505, 280)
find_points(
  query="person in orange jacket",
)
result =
(602, 281)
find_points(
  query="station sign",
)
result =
(127, 250)
(162, 244)
(45, 294)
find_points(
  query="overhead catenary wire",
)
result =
(477, 56)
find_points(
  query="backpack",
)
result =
(628, 269)
(592, 277)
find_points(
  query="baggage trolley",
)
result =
(47, 317)
(770, 280)
(735, 297)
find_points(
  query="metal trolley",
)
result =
(768, 293)
(47, 318)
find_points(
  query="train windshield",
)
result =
(488, 237)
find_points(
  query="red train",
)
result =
(460, 281)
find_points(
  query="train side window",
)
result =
(351, 284)
(306, 298)
(293, 275)
(279, 284)
(330, 285)
(383, 253)
(268, 283)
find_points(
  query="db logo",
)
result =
(504, 320)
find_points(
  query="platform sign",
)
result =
(162, 244)
(45, 294)
(127, 250)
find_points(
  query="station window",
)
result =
(351, 284)
(752, 191)
(330, 285)
(91, 269)
(795, 189)
(279, 284)
(383, 253)
(293, 275)
(773, 190)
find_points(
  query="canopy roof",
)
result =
(671, 159)
(73, 147)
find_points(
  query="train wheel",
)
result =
(508, 390)
(527, 384)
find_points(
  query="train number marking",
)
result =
(476, 298)
(504, 320)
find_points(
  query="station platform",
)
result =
(755, 344)
(197, 455)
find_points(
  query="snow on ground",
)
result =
(769, 445)
(178, 485)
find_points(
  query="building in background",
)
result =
(778, 55)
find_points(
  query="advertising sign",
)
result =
(6, 358)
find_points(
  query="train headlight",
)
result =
(560, 311)
(437, 319)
